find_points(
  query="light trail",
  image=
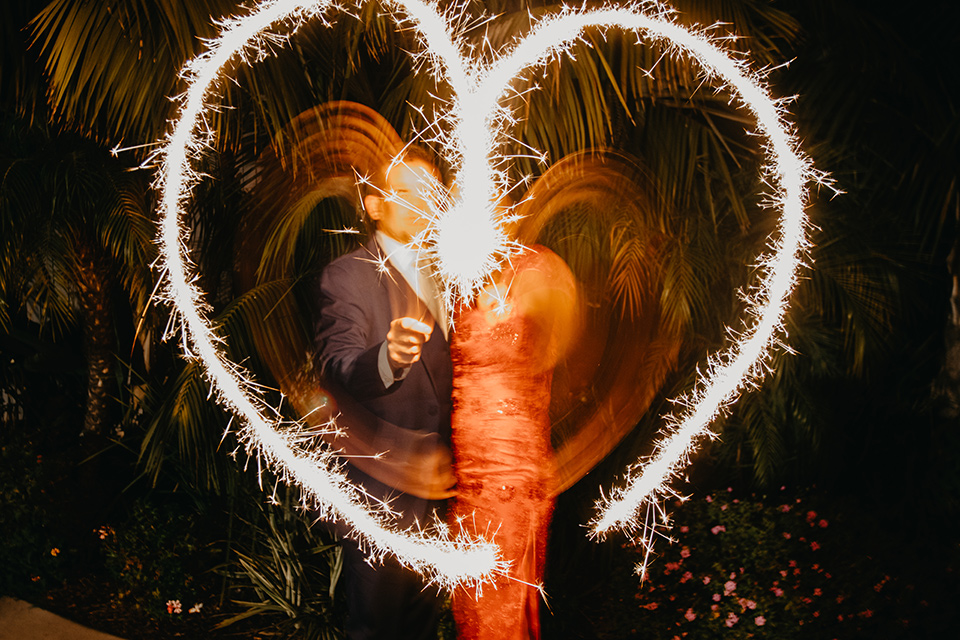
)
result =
(468, 243)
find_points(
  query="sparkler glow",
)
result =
(468, 243)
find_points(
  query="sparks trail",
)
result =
(467, 241)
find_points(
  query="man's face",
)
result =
(402, 212)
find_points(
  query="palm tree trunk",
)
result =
(98, 337)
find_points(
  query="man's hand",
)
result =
(405, 341)
(437, 475)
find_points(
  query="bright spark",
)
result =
(468, 242)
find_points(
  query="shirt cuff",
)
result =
(388, 375)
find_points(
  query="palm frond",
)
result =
(292, 570)
(21, 88)
(111, 65)
(186, 430)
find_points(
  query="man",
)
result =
(382, 343)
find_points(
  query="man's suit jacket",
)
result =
(360, 294)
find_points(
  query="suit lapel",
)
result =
(404, 302)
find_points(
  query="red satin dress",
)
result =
(503, 456)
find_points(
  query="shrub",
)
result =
(286, 573)
(769, 568)
(153, 559)
(31, 554)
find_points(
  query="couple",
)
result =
(386, 348)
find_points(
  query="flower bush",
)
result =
(775, 567)
(31, 558)
(153, 558)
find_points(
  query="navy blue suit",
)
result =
(357, 302)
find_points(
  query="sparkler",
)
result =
(468, 243)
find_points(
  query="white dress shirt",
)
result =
(404, 260)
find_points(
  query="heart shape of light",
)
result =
(479, 90)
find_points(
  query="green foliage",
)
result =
(793, 567)
(878, 123)
(113, 64)
(183, 429)
(74, 232)
(31, 554)
(609, 91)
(155, 556)
(38, 386)
(288, 572)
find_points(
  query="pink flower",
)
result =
(716, 597)
(816, 614)
(672, 566)
(817, 592)
(777, 591)
(783, 573)
(723, 507)
(690, 615)
(685, 577)
(685, 552)
(729, 587)
(732, 619)
(867, 614)
(706, 579)
(823, 524)
(717, 529)
(733, 574)
(787, 535)
(811, 516)
(709, 498)
(815, 545)
(714, 607)
(792, 563)
(729, 489)
(815, 566)
(684, 529)
(751, 604)
(785, 508)
(760, 621)
(173, 606)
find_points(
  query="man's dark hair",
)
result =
(413, 152)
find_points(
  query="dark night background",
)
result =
(120, 499)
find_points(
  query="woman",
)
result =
(503, 353)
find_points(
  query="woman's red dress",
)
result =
(501, 442)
